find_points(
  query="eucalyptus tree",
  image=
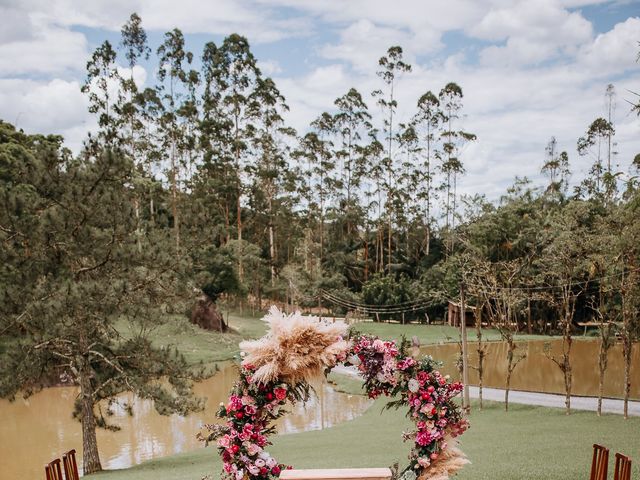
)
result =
(392, 66)
(352, 122)
(78, 298)
(267, 106)
(100, 86)
(610, 98)
(593, 143)
(172, 58)
(556, 168)
(452, 141)
(134, 43)
(427, 122)
(315, 150)
(236, 82)
(217, 174)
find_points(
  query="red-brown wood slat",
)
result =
(52, 470)
(623, 468)
(600, 463)
(70, 465)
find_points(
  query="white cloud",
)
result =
(533, 31)
(51, 50)
(362, 43)
(16, 24)
(55, 106)
(613, 51)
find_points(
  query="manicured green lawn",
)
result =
(198, 345)
(526, 443)
(429, 334)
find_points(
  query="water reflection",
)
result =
(34, 431)
(536, 373)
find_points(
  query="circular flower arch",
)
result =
(277, 368)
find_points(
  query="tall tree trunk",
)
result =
(174, 196)
(272, 247)
(90, 455)
(627, 351)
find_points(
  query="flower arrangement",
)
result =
(418, 385)
(277, 368)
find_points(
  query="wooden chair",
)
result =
(623, 468)
(70, 465)
(600, 463)
(52, 470)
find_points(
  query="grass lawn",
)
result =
(429, 334)
(526, 443)
(198, 345)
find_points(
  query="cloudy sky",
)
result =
(529, 69)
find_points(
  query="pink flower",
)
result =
(424, 462)
(253, 470)
(423, 438)
(252, 448)
(250, 410)
(235, 403)
(224, 441)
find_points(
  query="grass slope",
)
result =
(198, 345)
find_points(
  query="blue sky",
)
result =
(529, 69)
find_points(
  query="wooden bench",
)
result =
(337, 474)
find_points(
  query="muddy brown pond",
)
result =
(39, 429)
(34, 431)
(537, 373)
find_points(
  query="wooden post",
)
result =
(465, 360)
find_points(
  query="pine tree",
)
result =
(72, 273)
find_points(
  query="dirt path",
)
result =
(609, 405)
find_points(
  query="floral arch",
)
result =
(278, 367)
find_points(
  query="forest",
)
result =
(195, 185)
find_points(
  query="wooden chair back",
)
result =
(70, 465)
(52, 470)
(623, 468)
(600, 463)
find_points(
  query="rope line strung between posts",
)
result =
(553, 287)
(379, 309)
(400, 306)
(419, 301)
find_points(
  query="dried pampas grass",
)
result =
(295, 348)
(451, 460)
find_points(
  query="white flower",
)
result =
(239, 474)
(253, 470)
(414, 385)
(271, 462)
(264, 455)
(260, 463)
(354, 360)
(409, 475)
